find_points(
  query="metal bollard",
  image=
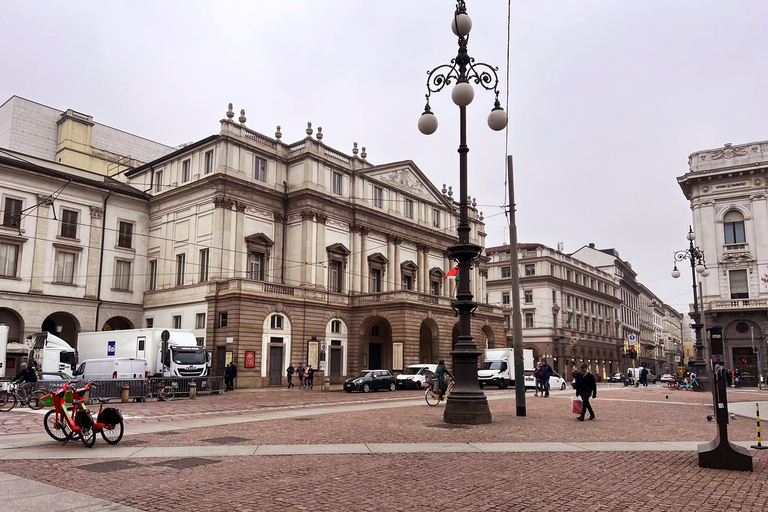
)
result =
(125, 393)
(192, 390)
(759, 445)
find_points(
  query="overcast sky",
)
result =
(606, 98)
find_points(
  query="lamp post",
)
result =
(698, 266)
(467, 403)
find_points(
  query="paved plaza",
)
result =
(273, 449)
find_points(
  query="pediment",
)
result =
(408, 178)
(259, 239)
(409, 265)
(338, 249)
(378, 258)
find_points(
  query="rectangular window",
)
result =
(530, 269)
(209, 162)
(260, 170)
(436, 218)
(125, 235)
(505, 298)
(407, 283)
(9, 255)
(200, 342)
(507, 321)
(276, 321)
(554, 297)
(256, 266)
(378, 197)
(568, 275)
(578, 303)
(375, 280)
(223, 319)
(529, 319)
(409, 208)
(177, 321)
(181, 260)
(153, 275)
(150, 323)
(185, 170)
(12, 213)
(65, 267)
(335, 276)
(435, 287)
(200, 321)
(739, 284)
(337, 184)
(336, 326)
(528, 294)
(506, 272)
(157, 179)
(568, 301)
(69, 224)
(734, 232)
(204, 259)
(122, 275)
(592, 307)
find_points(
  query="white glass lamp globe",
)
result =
(691, 236)
(675, 273)
(700, 268)
(461, 24)
(705, 273)
(497, 119)
(462, 94)
(427, 123)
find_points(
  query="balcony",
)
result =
(734, 305)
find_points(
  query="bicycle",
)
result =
(63, 424)
(433, 397)
(11, 397)
(164, 394)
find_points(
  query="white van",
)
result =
(413, 376)
(112, 368)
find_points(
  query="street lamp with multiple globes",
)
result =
(467, 403)
(698, 266)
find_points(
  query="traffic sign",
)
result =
(632, 338)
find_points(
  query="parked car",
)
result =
(371, 380)
(413, 377)
(556, 381)
(667, 377)
(616, 377)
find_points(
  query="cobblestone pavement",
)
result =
(540, 480)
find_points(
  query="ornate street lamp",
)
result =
(698, 266)
(467, 403)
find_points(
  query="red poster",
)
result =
(250, 359)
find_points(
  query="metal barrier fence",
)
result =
(138, 388)
(205, 385)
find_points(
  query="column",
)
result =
(238, 242)
(398, 277)
(307, 253)
(390, 283)
(321, 255)
(95, 255)
(42, 235)
(363, 260)
(218, 262)
(354, 274)
(278, 249)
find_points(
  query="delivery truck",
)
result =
(498, 369)
(52, 353)
(169, 352)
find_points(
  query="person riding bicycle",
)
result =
(28, 379)
(440, 371)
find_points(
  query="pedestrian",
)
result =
(232, 375)
(27, 378)
(441, 371)
(546, 373)
(644, 377)
(537, 376)
(227, 377)
(728, 377)
(586, 387)
(300, 374)
(737, 378)
(309, 378)
(289, 372)
(306, 376)
(574, 374)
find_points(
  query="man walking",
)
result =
(545, 373)
(586, 386)
(644, 377)
(289, 372)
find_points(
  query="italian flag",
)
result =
(453, 273)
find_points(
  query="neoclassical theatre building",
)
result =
(272, 253)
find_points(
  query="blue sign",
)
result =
(110, 348)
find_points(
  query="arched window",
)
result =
(733, 225)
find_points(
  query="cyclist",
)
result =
(440, 371)
(28, 378)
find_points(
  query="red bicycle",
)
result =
(64, 423)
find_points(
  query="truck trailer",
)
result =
(52, 353)
(169, 352)
(498, 369)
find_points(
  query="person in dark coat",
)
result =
(309, 379)
(545, 373)
(441, 372)
(227, 377)
(586, 387)
(289, 372)
(233, 376)
(644, 377)
(300, 373)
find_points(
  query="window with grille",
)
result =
(69, 224)
(125, 235)
(12, 213)
(122, 275)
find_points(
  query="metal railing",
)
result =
(138, 388)
(205, 385)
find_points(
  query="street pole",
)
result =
(517, 316)
(467, 403)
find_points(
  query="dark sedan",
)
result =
(616, 377)
(371, 380)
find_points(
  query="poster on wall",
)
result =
(312, 353)
(250, 359)
(397, 356)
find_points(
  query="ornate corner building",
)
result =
(729, 201)
(272, 253)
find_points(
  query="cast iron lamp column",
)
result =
(467, 403)
(698, 266)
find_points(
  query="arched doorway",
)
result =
(740, 336)
(428, 348)
(62, 325)
(376, 344)
(117, 323)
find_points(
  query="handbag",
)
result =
(576, 404)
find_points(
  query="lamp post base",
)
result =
(467, 410)
(722, 454)
(702, 375)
